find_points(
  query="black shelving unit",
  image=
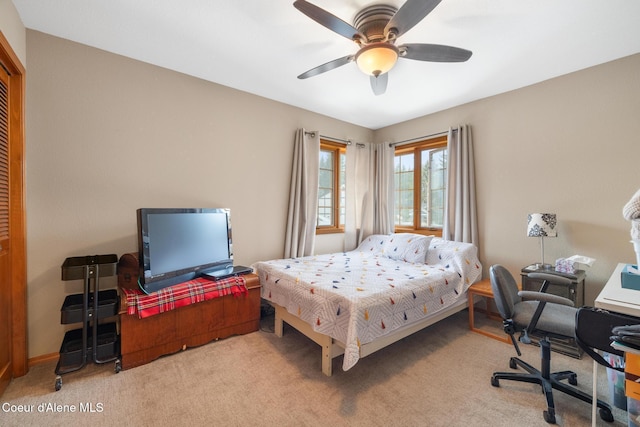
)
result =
(95, 341)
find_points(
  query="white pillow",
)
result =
(408, 247)
(374, 244)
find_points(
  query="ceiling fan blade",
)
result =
(326, 67)
(379, 84)
(328, 20)
(409, 14)
(434, 52)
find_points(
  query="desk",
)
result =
(614, 297)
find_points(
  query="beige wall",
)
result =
(106, 135)
(568, 145)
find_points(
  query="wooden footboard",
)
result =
(332, 348)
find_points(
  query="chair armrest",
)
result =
(540, 296)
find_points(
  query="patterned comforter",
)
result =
(358, 296)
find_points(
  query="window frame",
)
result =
(338, 149)
(416, 148)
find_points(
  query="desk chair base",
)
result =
(549, 381)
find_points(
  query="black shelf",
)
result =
(72, 309)
(76, 351)
(94, 341)
(81, 267)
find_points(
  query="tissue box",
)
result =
(630, 280)
(564, 265)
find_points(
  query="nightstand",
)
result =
(573, 291)
(483, 289)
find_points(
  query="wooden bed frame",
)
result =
(332, 348)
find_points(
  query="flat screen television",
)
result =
(177, 245)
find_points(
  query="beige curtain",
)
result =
(359, 190)
(303, 197)
(383, 200)
(460, 217)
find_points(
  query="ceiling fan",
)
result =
(375, 30)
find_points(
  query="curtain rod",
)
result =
(331, 138)
(418, 138)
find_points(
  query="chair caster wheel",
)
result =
(606, 415)
(58, 383)
(495, 382)
(118, 366)
(573, 380)
(549, 417)
(512, 363)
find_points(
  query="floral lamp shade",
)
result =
(542, 225)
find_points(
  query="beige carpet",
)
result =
(437, 377)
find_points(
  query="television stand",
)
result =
(144, 340)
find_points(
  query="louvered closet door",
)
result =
(5, 266)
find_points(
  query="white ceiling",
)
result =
(260, 46)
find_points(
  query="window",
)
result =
(331, 188)
(420, 172)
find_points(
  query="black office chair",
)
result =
(548, 315)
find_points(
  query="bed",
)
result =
(354, 303)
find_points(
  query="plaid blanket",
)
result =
(182, 294)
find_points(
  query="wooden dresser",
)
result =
(144, 340)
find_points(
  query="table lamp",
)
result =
(542, 225)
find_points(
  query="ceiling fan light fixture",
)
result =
(377, 58)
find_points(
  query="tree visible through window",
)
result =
(331, 187)
(420, 172)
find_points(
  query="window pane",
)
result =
(438, 169)
(433, 181)
(403, 209)
(325, 209)
(325, 178)
(343, 186)
(425, 213)
(325, 189)
(326, 159)
(420, 173)
(438, 186)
